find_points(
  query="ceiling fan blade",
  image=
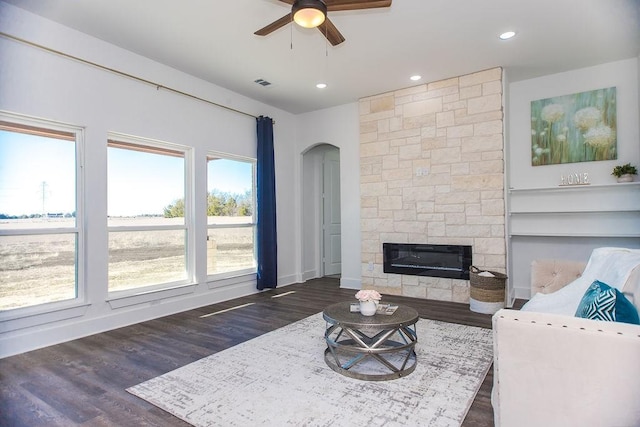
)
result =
(331, 32)
(274, 25)
(288, 1)
(336, 5)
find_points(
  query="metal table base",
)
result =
(375, 348)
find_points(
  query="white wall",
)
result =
(598, 221)
(37, 83)
(339, 126)
(621, 74)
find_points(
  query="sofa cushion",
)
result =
(609, 265)
(548, 275)
(602, 302)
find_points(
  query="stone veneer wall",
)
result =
(432, 171)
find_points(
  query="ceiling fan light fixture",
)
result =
(309, 13)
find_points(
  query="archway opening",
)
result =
(321, 222)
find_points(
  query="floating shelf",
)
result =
(542, 234)
(603, 210)
(617, 185)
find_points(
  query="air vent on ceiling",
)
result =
(262, 82)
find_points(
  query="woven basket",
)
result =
(487, 293)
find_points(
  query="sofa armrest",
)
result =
(548, 276)
(556, 370)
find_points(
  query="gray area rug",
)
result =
(281, 379)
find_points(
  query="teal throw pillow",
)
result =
(602, 302)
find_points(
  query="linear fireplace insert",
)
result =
(450, 261)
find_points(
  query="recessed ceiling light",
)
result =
(507, 35)
(321, 85)
(415, 78)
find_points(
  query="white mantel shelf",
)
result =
(596, 210)
(615, 186)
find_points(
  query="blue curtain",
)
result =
(266, 235)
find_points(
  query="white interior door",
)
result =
(332, 253)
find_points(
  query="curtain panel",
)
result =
(266, 234)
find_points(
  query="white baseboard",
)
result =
(287, 280)
(348, 283)
(26, 340)
(310, 274)
(522, 293)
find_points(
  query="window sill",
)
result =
(231, 278)
(119, 301)
(39, 315)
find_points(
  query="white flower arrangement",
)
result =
(368, 295)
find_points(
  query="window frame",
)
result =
(212, 155)
(68, 308)
(139, 294)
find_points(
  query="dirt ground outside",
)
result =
(37, 269)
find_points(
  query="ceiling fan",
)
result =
(313, 14)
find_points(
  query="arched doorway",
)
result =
(321, 223)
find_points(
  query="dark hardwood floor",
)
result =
(83, 382)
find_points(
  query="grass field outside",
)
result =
(36, 269)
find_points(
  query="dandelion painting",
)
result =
(574, 128)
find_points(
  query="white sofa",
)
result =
(554, 369)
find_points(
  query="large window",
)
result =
(40, 226)
(230, 215)
(148, 214)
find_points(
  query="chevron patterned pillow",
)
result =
(602, 302)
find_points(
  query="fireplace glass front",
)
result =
(450, 261)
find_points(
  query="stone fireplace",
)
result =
(432, 170)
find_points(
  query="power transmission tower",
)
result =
(44, 191)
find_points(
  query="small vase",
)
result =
(368, 308)
(626, 178)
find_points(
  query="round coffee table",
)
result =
(373, 348)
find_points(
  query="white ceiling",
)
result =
(214, 40)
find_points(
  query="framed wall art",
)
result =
(574, 128)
